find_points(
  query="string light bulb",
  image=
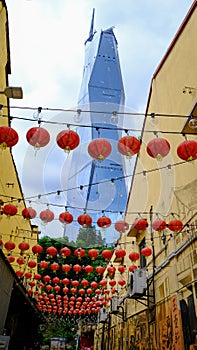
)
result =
(78, 117)
(193, 122)
(38, 114)
(114, 118)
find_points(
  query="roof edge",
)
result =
(180, 30)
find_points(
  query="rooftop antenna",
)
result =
(91, 32)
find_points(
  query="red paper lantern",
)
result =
(99, 149)
(103, 283)
(65, 290)
(94, 284)
(23, 246)
(121, 268)
(84, 220)
(37, 249)
(80, 253)
(65, 281)
(8, 137)
(46, 216)
(140, 224)
(54, 266)
(51, 251)
(88, 269)
(81, 291)
(113, 291)
(66, 268)
(111, 270)
(32, 264)
(28, 275)
(11, 259)
(73, 290)
(37, 137)
(29, 213)
(19, 273)
(84, 283)
(89, 291)
(56, 280)
(187, 150)
(65, 252)
(104, 222)
(122, 283)
(20, 260)
(10, 210)
(132, 268)
(120, 253)
(57, 288)
(68, 140)
(146, 251)
(159, 225)
(93, 253)
(66, 218)
(97, 291)
(112, 283)
(121, 226)
(77, 268)
(128, 146)
(100, 270)
(37, 276)
(46, 278)
(75, 283)
(133, 256)
(175, 225)
(107, 254)
(9, 245)
(43, 265)
(158, 148)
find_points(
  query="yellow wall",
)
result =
(16, 225)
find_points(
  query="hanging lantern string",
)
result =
(93, 126)
(138, 214)
(99, 111)
(144, 172)
(93, 184)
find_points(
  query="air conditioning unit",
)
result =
(102, 315)
(114, 304)
(138, 283)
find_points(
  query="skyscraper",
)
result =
(102, 96)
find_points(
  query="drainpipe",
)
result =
(153, 278)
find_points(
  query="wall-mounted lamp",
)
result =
(13, 92)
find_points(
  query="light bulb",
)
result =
(193, 122)
(78, 117)
(58, 195)
(154, 120)
(37, 114)
(114, 118)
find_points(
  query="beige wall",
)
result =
(166, 191)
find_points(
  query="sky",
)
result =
(47, 56)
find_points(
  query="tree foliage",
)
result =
(89, 237)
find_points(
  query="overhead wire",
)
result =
(144, 172)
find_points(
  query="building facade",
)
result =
(101, 98)
(163, 189)
(15, 304)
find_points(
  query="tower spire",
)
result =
(91, 32)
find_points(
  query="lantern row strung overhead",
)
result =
(85, 220)
(99, 148)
